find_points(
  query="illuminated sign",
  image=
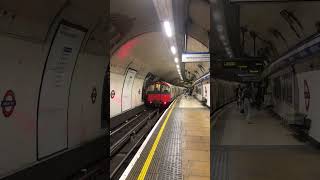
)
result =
(196, 57)
(229, 63)
(8, 104)
(253, 71)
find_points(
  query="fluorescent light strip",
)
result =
(173, 50)
(167, 28)
(220, 28)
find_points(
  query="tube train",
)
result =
(214, 93)
(201, 89)
(222, 92)
(161, 94)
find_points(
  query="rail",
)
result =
(122, 148)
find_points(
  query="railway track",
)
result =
(96, 171)
(126, 138)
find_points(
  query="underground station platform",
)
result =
(177, 147)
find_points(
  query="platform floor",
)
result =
(179, 146)
(264, 150)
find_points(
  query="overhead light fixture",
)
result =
(220, 28)
(224, 42)
(178, 66)
(167, 28)
(222, 37)
(217, 15)
(176, 60)
(173, 50)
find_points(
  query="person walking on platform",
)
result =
(259, 96)
(248, 95)
(186, 94)
(238, 96)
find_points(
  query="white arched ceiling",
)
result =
(199, 13)
(132, 18)
(145, 53)
(149, 52)
(261, 17)
(196, 46)
(32, 20)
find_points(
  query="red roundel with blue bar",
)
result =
(306, 95)
(8, 103)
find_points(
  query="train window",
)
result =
(157, 87)
(150, 88)
(165, 89)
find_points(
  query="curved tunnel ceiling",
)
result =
(34, 20)
(199, 23)
(275, 28)
(149, 52)
(131, 19)
(196, 70)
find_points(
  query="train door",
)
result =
(127, 89)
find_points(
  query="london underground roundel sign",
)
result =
(306, 95)
(8, 103)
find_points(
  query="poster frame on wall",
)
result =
(128, 69)
(62, 22)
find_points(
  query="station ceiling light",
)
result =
(222, 37)
(173, 50)
(167, 28)
(178, 66)
(220, 28)
(176, 60)
(217, 16)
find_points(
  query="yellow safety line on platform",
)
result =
(146, 165)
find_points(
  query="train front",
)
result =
(158, 95)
